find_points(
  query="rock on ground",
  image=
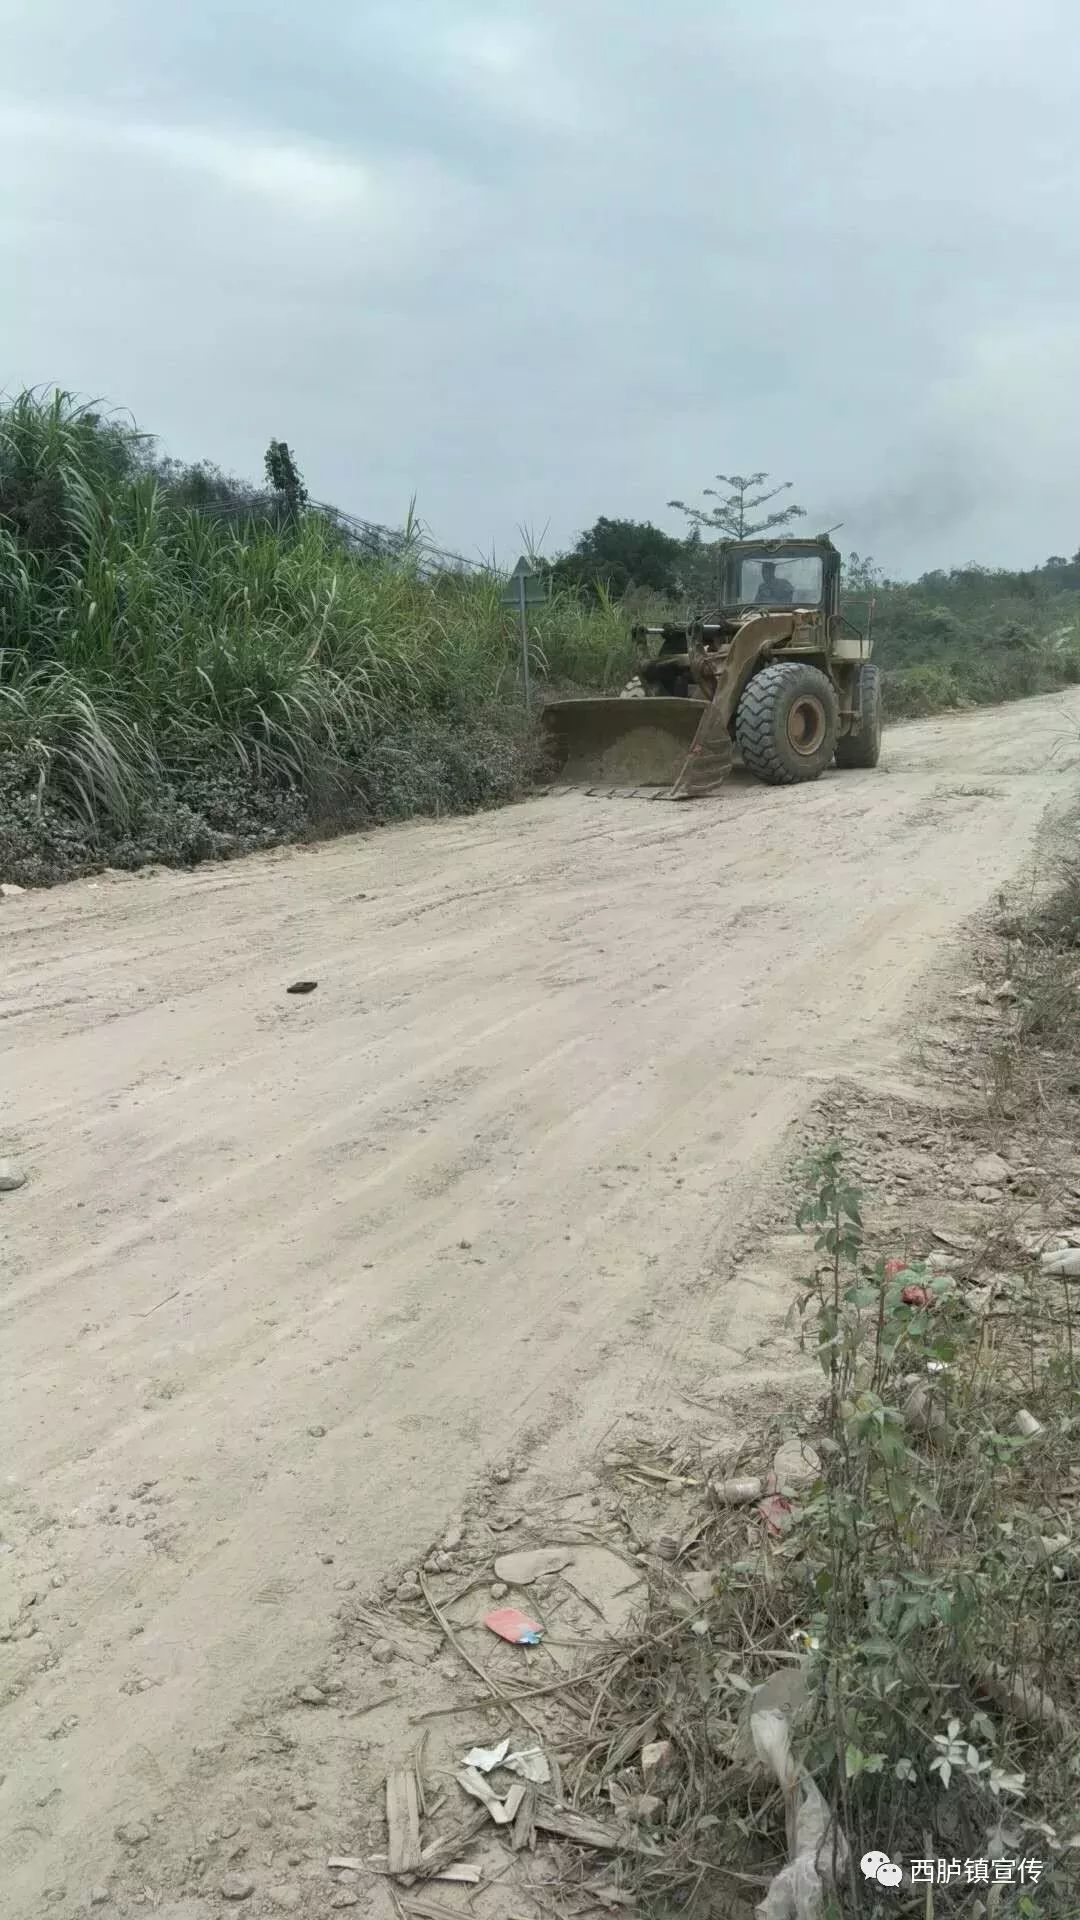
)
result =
(989, 1170)
(285, 1898)
(237, 1886)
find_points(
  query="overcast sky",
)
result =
(537, 261)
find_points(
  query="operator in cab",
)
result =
(773, 591)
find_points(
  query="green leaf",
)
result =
(882, 1650)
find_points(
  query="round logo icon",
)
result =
(872, 1863)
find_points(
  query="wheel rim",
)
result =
(807, 725)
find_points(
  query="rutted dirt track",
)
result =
(312, 1265)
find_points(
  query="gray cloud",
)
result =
(537, 262)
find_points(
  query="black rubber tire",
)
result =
(863, 749)
(786, 723)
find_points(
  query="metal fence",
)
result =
(366, 538)
(388, 543)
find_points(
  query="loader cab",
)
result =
(774, 575)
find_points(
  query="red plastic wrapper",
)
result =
(516, 1627)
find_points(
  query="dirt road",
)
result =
(289, 1273)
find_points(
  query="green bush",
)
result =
(177, 682)
(914, 692)
(974, 637)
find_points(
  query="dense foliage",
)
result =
(186, 670)
(620, 555)
(973, 635)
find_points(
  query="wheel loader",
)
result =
(777, 674)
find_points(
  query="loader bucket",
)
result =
(666, 748)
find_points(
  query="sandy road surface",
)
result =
(432, 1208)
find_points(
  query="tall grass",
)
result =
(143, 641)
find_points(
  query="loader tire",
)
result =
(786, 723)
(863, 749)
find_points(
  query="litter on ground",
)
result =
(512, 1625)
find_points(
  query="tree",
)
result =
(732, 514)
(698, 575)
(202, 485)
(285, 477)
(862, 573)
(618, 555)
